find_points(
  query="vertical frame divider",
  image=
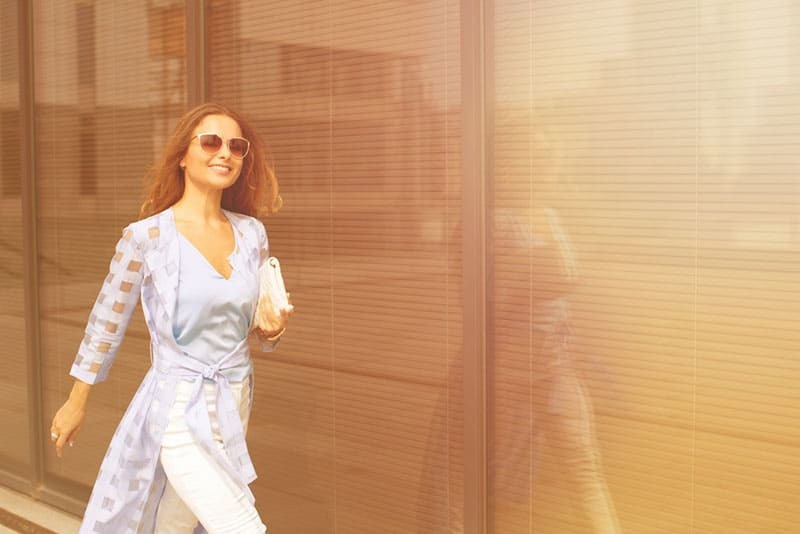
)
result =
(488, 150)
(30, 245)
(196, 85)
(474, 266)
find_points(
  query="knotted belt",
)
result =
(173, 362)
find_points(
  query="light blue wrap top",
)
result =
(212, 313)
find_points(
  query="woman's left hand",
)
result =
(271, 323)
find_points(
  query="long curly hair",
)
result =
(254, 193)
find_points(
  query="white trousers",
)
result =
(197, 489)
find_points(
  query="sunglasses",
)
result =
(211, 143)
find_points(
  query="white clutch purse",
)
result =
(271, 291)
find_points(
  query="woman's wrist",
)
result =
(80, 391)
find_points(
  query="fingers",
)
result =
(273, 318)
(60, 436)
(278, 321)
(55, 436)
(62, 439)
(271, 324)
(74, 435)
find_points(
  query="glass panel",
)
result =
(644, 247)
(748, 247)
(594, 268)
(14, 453)
(107, 95)
(358, 423)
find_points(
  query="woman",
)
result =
(179, 455)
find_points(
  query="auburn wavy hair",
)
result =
(254, 193)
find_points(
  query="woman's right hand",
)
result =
(68, 420)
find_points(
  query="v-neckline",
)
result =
(227, 258)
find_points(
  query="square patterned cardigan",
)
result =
(131, 481)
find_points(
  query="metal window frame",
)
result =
(474, 224)
(196, 83)
(30, 244)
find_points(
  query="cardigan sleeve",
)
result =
(111, 312)
(263, 254)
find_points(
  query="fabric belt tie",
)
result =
(238, 463)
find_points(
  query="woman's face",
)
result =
(212, 171)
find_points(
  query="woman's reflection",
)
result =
(545, 464)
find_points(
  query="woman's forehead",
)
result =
(219, 124)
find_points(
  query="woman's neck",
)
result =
(196, 206)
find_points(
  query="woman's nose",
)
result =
(224, 151)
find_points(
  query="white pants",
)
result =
(196, 488)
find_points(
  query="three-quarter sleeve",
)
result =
(263, 254)
(111, 312)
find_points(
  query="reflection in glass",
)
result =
(14, 453)
(359, 102)
(109, 81)
(546, 462)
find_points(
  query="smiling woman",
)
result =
(254, 191)
(210, 163)
(179, 455)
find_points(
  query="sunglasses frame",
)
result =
(224, 142)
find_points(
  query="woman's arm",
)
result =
(111, 313)
(107, 324)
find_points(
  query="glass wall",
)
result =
(645, 237)
(109, 83)
(14, 410)
(358, 420)
(640, 255)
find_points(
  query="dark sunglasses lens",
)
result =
(238, 146)
(211, 143)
